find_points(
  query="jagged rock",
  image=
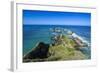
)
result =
(41, 51)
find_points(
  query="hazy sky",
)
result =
(33, 17)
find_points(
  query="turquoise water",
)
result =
(32, 34)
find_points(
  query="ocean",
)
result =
(33, 34)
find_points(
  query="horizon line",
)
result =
(58, 25)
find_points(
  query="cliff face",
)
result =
(40, 52)
(64, 49)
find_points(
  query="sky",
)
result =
(36, 17)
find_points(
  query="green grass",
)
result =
(64, 51)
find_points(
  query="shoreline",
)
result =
(55, 57)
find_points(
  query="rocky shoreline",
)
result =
(62, 48)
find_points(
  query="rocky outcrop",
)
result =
(62, 48)
(40, 52)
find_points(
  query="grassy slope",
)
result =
(64, 51)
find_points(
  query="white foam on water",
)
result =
(79, 37)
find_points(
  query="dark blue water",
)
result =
(32, 34)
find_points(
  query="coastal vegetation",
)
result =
(62, 48)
